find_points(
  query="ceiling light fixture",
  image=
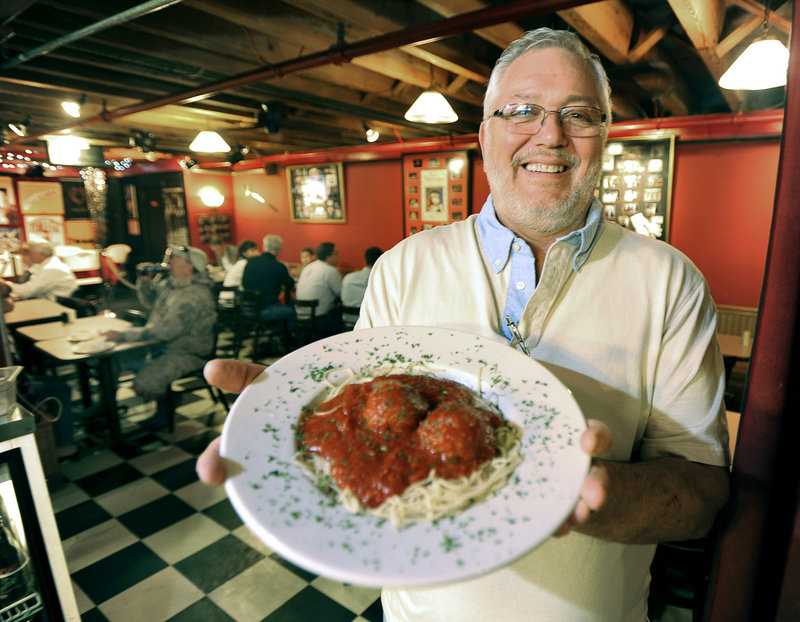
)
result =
(187, 163)
(20, 129)
(143, 140)
(73, 106)
(431, 107)
(371, 133)
(238, 154)
(763, 65)
(209, 142)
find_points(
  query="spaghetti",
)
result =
(407, 447)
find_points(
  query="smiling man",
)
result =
(624, 321)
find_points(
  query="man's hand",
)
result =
(111, 335)
(595, 440)
(232, 376)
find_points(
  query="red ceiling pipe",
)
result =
(340, 53)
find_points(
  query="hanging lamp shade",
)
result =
(431, 107)
(209, 142)
(763, 65)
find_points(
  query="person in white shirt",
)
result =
(50, 277)
(354, 284)
(233, 277)
(321, 281)
(625, 322)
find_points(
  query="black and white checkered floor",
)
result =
(145, 540)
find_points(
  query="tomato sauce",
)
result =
(382, 435)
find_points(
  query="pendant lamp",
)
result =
(763, 65)
(209, 142)
(431, 107)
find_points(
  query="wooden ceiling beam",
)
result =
(500, 35)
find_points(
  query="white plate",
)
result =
(273, 496)
(82, 335)
(94, 346)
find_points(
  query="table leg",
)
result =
(108, 382)
(86, 390)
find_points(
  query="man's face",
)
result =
(305, 257)
(333, 258)
(543, 182)
(32, 257)
(180, 268)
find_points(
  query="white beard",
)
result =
(540, 215)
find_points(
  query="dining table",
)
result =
(79, 343)
(35, 311)
(734, 348)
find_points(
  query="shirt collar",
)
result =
(497, 239)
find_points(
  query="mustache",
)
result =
(570, 158)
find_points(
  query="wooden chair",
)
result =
(84, 307)
(306, 327)
(180, 386)
(350, 317)
(248, 325)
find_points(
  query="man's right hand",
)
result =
(232, 376)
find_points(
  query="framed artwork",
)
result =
(45, 228)
(636, 183)
(74, 197)
(316, 193)
(434, 189)
(40, 197)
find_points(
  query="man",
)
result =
(354, 284)
(321, 281)
(182, 313)
(269, 276)
(50, 277)
(224, 254)
(624, 321)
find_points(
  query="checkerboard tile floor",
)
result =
(145, 540)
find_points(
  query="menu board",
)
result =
(435, 189)
(636, 183)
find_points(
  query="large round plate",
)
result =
(272, 494)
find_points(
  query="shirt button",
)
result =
(520, 285)
(515, 246)
(497, 262)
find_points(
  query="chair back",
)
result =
(306, 325)
(350, 317)
(83, 306)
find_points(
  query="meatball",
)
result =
(392, 405)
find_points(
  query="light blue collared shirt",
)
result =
(501, 246)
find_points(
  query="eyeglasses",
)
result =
(574, 120)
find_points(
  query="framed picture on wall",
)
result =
(636, 183)
(435, 189)
(316, 193)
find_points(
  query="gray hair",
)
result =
(543, 38)
(43, 248)
(272, 243)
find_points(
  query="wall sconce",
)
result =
(209, 142)
(73, 106)
(249, 192)
(211, 197)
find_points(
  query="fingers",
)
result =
(594, 491)
(210, 467)
(230, 375)
(596, 439)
